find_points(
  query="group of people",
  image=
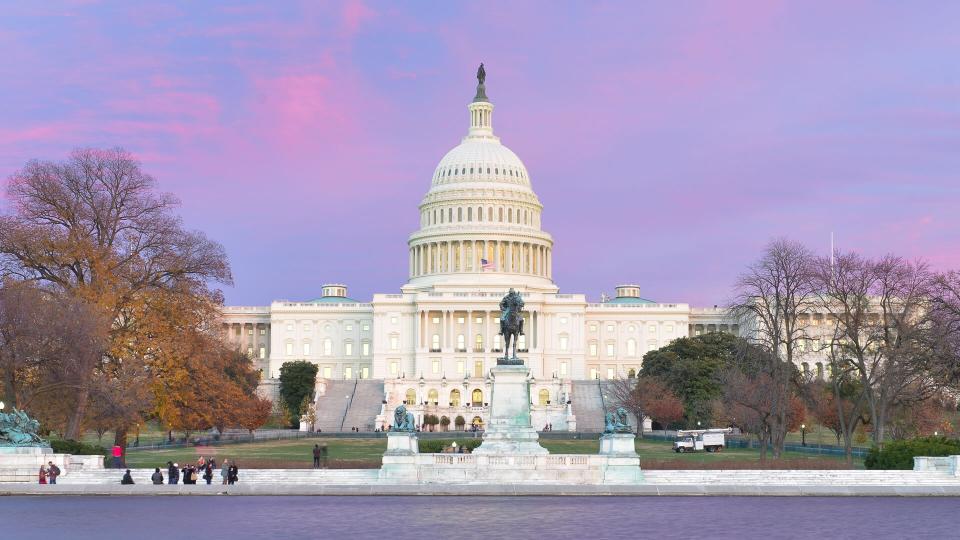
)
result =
(548, 427)
(189, 474)
(49, 473)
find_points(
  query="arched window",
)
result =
(500, 215)
(411, 397)
(632, 374)
(544, 397)
(489, 213)
(510, 215)
(454, 398)
(806, 368)
(631, 347)
(478, 343)
(450, 215)
(459, 214)
(820, 370)
(435, 343)
(476, 397)
(433, 396)
(470, 214)
(479, 213)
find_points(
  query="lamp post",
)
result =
(803, 434)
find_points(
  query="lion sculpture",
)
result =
(403, 420)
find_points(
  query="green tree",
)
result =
(691, 367)
(297, 380)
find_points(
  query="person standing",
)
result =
(43, 474)
(174, 473)
(225, 471)
(208, 472)
(316, 456)
(157, 477)
(234, 473)
(52, 472)
(117, 454)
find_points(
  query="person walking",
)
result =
(157, 477)
(316, 456)
(127, 479)
(208, 472)
(52, 472)
(225, 471)
(43, 475)
(117, 454)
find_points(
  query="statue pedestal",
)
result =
(622, 465)
(22, 463)
(400, 460)
(618, 444)
(402, 443)
(509, 430)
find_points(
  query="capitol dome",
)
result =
(480, 219)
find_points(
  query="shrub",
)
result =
(77, 448)
(900, 454)
(436, 446)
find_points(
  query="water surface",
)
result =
(429, 518)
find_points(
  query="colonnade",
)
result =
(448, 329)
(465, 256)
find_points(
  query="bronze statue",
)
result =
(481, 74)
(403, 420)
(18, 429)
(617, 422)
(511, 326)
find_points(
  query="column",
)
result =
(469, 341)
(496, 256)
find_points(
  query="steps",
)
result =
(365, 405)
(587, 406)
(332, 405)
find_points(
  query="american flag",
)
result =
(487, 265)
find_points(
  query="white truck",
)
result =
(693, 440)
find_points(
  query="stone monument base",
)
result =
(509, 430)
(570, 469)
(623, 463)
(618, 443)
(400, 460)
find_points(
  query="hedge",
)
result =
(436, 446)
(900, 454)
(77, 448)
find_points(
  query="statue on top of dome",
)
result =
(481, 74)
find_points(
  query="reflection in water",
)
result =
(429, 518)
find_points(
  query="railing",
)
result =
(434, 350)
(459, 350)
(478, 349)
(349, 403)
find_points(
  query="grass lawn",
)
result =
(366, 453)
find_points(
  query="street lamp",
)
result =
(803, 434)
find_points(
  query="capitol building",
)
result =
(430, 345)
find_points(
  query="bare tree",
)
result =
(772, 301)
(96, 228)
(646, 397)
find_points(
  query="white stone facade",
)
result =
(479, 236)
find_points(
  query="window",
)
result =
(393, 320)
(364, 372)
(263, 331)
(610, 328)
(460, 320)
(593, 348)
(652, 329)
(593, 328)
(250, 352)
(543, 397)
(669, 329)
(461, 342)
(436, 320)
(289, 349)
(306, 327)
(563, 320)
(436, 366)
(454, 398)
(349, 328)
(563, 369)
(564, 342)
(395, 342)
(610, 349)
(479, 320)
(435, 342)
(348, 372)
(289, 327)
(433, 396)
(631, 328)
(366, 327)
(306, 349)
(394, 368)
(365, 348)
(327, 372)
(478, 368)
(327, 347)
(476, 397)
(460, 367)
(594, 374)
(610, 373)
(478, 343)
(250, 332)
(631, 347)
(263, 352)
(410, 397)
(348, 349)
(522, 342)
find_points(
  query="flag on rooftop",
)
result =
(487, 265)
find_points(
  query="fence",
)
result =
(734, 441)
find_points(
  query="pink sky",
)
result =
(667, 141)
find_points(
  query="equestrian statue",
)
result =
(511, 327)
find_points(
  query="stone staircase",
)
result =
(365, 405)
(587, 406)
(332, 405)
